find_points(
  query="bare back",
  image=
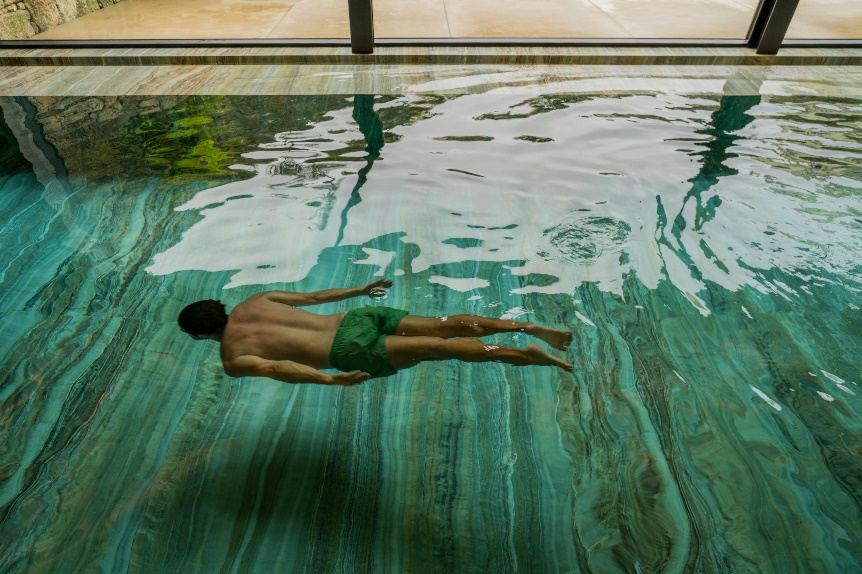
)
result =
(264, 328)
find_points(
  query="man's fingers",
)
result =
(352, 378)
(379, 287)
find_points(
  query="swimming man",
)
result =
(267, 335)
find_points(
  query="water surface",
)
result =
(704, 251)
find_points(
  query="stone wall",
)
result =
(22, 19)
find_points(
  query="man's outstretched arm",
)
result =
(289, 372)
(375, 289)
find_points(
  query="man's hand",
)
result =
(378, 288)
(350, 378)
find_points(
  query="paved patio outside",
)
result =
(249, 19)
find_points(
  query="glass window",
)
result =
(649, 19)
(174, 19)
(826, 20)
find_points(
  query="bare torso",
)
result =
(264, 328)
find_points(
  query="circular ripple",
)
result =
(583, 239)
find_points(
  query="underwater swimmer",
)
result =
(267, 335)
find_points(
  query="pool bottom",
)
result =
(704, 429)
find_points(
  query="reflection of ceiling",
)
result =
(576, 188)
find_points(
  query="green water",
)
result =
(704, 251)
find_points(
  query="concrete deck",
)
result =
(251, 19)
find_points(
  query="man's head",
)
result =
(203, 318)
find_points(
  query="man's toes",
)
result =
(563, 341)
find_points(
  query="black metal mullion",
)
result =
(770, 25)
(758, 23)
(361, 15)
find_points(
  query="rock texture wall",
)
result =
(22, 19)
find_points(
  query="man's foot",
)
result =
(554, 337)
(541, 357)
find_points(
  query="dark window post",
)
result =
(361, 26)
(770, 25)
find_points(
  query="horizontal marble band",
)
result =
(86, 81)
(430, 55)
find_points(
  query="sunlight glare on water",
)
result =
(642, 165)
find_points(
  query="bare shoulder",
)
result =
(268, 297)
(254, 302)
(258, 298)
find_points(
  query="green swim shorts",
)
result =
(360, 342)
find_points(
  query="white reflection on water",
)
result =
(572, 193)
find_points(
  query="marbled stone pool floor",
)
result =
(712, 425)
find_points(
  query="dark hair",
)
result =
(203, 318)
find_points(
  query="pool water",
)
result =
(703, 249)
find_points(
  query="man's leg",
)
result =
(404, 352)
(477, 326)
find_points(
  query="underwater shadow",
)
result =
(320, 494)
